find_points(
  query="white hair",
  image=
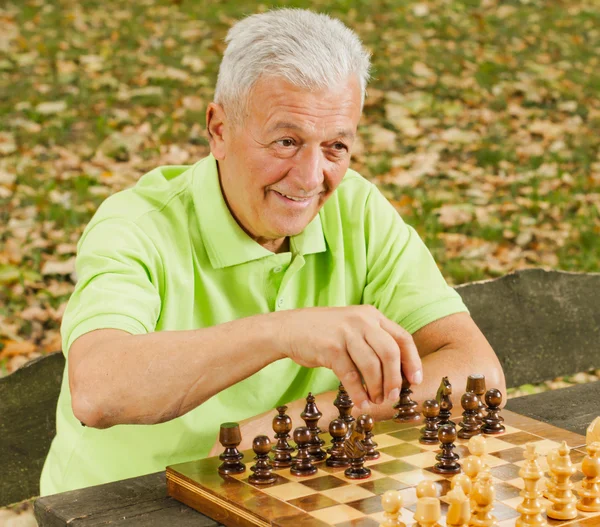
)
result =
(309, 50)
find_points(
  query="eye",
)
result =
(339, 146)
(285, 142)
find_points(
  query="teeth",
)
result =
(292, 198)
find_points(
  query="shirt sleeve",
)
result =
(403, 280)
(118, 275)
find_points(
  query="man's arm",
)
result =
(452, 346)
(119, 378)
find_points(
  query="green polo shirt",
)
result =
(167, 255)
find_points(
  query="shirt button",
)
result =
(277, 269)
(280, 302)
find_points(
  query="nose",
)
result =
(309, 170)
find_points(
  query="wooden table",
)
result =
(143, 501)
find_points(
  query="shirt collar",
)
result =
(226, 242)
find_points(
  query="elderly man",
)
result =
(268, 269)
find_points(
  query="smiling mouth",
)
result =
(294, 198)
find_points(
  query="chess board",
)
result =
(328, 498)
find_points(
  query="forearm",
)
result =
(155, 377)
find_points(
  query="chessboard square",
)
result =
(502, 511)
(425, 459)
(386, 427)
(382, 457)
(505, 491)
(409, 434)
(402, 450)
(497, 443)
(367, 505)
(510, 429)
(442, 487)
(337, 514)
(544, 446)
(492, 461)
(513, 503)
(347, 493)
(517, 482)
(505, 472)
(324, 483)
(288, 491)
(380, 486)
(386, 440)
(413, 477)
(298, 520)
(519, 438)
(359, 522)
(393, 467)
(576, 456)
(510, 454)
(313, 502)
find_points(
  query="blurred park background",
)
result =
(482, 126)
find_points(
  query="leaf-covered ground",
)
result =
(482, 126)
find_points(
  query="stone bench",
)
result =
(541, 324)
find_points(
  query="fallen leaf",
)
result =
(51, 107)
(59, 267)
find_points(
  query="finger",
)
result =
(411, 365)
(369, 366)
(348, 374)
(389, 355)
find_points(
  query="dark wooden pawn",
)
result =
(469, 425)
(429, 433)
(476, 384)
(492, 422)
(447, 459)
(337, 454)
(407, 408)
(230, 437)
(355, 450)
(282, 426)
(263, 470)
(371, 451)
(445, 401)
(302, 464)
(344, 404)
(311, 415)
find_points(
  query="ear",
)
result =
(215, 126)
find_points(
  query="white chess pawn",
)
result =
(428, 512)
(426, 489)
(459, 512)
(482, 496)
(477, 446)
(562, 506)
(391, 501)
(589, 491)
(464, 482)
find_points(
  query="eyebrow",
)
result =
(285, 125)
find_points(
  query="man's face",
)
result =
(281, 164)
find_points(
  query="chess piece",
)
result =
(560, 493)
(444, 400)
(406, 407)
(355, 450)
(311, 415)
(391, 501)
(470, 425)
(477, 446)
(459, 511)
(589, 491)
(531, 508)
(463, 481)
(447, 459)
(262, 469)
(337, 454)
(344, 404)
(483, 495)
(428, 512)
(492, 422)
(370, 445)
(230, 437)
(282, 426)
(431, 413)
(426, 489)
(476, 384)
(302, 464)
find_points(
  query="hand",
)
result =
(359, 344)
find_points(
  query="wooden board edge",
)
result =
(210, 504)
(543, 429)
